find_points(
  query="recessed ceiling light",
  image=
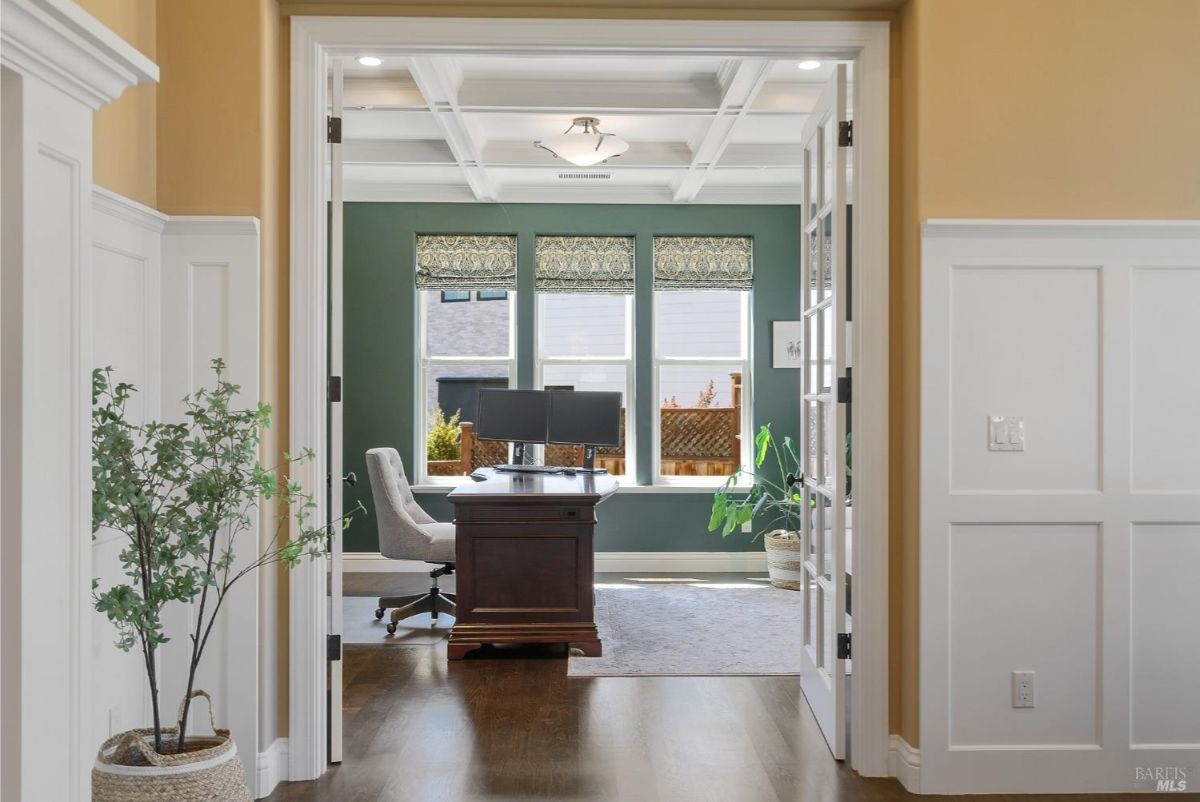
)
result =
(804, 65)
(370, 61)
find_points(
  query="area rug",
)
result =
(701, 629)
(359, 625)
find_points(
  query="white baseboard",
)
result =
(607, 561)
(272, 768)
(904, 763)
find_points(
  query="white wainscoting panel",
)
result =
(210, 290)
(1074, 558)
(1165, 335)
(1165, 699)
(126, 265)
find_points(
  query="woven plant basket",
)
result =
(129, 770)
(784, 559)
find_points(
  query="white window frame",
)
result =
(746, 418)
(426, 361)
(541, 360)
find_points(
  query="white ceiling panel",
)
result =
(566, 69)
(630, 127)
(389, 124)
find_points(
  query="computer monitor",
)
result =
(587, 418)
(516, 416)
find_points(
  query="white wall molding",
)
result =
(61, 44)
(272, 767)
(606, 561)
(210, 308)
(904, 763)
(127, 210)
(1080, 328)
(211, 225)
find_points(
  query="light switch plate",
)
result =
(1006, 433)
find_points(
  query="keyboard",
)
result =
(528, 468)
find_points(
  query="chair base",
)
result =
(434, 602)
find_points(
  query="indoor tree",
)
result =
(183, 494)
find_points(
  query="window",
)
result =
(463, 346)
(455, 296)
(585, 338)
(701, 357)
(491, 295)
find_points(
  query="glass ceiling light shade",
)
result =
(586, 146)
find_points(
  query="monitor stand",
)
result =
(589, 461)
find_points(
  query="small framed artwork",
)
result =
(787, 344)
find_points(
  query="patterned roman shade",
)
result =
(584, 264)
(703, 263)
(466, 262)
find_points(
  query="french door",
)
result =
(336, 467)
(824, 393)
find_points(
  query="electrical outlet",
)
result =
(748, 527)
(1022, 689)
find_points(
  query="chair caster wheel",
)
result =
(391, 629)
(379, 614)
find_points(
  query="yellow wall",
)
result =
(1020, 108)
(1035, 109)
(124, 148)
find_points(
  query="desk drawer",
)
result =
(508, 513)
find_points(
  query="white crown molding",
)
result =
(1090, 229)
(63, 45)
(272, 768)
(105, 201)
(211, 225)
(904, 763)
(707, 562)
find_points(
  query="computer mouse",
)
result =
(568, 471)
(478, 477)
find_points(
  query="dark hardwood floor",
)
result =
(514, 728)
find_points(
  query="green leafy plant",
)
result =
(444, 441)
(769, 495)
(182, 494)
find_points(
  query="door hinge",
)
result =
(845, 134)
(843, 389)
(333, 130)
(334, 644)
(335, 389)
(843, 646)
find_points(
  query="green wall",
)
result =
(380, 336)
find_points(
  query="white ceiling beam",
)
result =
(640, 154)
(741, 81)
(439, 81)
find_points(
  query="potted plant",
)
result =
(769, 495)
(183, 493)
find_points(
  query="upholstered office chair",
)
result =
(406, 532)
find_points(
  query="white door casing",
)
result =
(336, 466)
(823, 415)
(315, 39)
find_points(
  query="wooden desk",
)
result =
(525, 561)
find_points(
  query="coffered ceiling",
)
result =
(700, 130)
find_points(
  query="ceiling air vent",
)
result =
(584, 176)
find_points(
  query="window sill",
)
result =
(706, 490)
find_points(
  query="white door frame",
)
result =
(315, 39)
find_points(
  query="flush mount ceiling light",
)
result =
(370, 61)
(809, 64)
(586, 146)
